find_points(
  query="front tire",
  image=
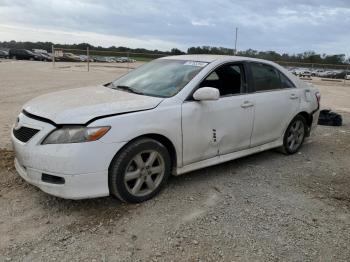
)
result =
(294, 135)
(139, 171)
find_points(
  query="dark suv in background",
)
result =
(4, 54)
(23, 54)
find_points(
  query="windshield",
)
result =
(162, 78)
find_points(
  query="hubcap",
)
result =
(295, 135)
(144, 173)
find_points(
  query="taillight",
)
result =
(318, 97)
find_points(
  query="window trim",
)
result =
(244, 86)
(281, 73)
(252, 83)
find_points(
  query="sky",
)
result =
(280, 25)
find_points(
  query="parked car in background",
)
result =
(125, 60)
(47, 57)
(44, 56)
(23, 54)
(301, 72)
(4, 54)
(347, 76)
(316, 72)
(70, 57)
(339, 74)
(100, 59)
(84, 58)
(111, 60)
(40, 51)
(170, 116)
(305, 73)
(122, 59)
(325, 73)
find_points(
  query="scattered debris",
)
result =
(329, 118)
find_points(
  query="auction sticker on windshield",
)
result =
(194, 63)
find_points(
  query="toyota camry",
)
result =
(167, 117)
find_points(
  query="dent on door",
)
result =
(200, 137)
(215, 128)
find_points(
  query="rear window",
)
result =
(266, 77)
(285, 82)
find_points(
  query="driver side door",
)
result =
(223, 126)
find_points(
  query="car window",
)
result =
(227, 78)
(285, 82)
(213, 76)
(161, 77)
(265, 77)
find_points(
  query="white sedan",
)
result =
(170, 116)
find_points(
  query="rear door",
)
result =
(276, 102)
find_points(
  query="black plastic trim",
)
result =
(57, 180)
(117, 114)
(24, 133)
(39, 118)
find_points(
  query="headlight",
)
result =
(75, 134)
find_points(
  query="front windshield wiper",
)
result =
(128, 89)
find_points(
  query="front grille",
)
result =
(24, 134)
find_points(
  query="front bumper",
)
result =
(82, 166)
(75, 186)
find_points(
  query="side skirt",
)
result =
(224, 158)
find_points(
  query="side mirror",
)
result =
(206, 94)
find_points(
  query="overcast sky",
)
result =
(279, 25)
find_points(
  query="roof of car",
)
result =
(212, 58)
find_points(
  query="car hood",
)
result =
(80, 105)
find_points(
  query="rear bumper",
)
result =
(315, 117)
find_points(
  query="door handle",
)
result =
(293, 96)
(247, 104)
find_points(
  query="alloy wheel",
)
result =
(144, 173)
(295, 135)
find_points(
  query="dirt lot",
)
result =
(260, 208)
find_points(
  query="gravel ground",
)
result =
(263, 207)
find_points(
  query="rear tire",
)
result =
(139, 171)
(294, 135)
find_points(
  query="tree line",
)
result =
(305, 57)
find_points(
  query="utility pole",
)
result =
(53, 56)
(236, 40)
(88, 58)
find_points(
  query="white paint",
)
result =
(206, 94)
(204, 133)
(79, 105)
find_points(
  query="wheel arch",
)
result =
(309, 119)
(169, 145)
